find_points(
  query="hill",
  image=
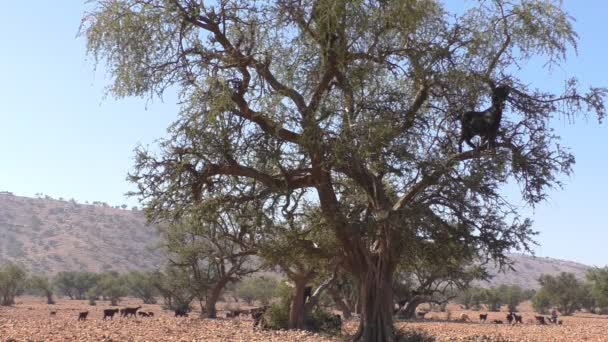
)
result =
(49, 235)
(529, 268)
(52, 235)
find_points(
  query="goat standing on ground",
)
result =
(109, 313)
(82, 316)
(485, 123)
(483, 317)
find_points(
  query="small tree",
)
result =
(262, 289)
(598, 280)
(112, 287)
(216, 249)
(13, 280)
(141, 285)
(493, 299)
(563, 291)
(511, 295)
(541, 302)
(174, 285)
(42, 284)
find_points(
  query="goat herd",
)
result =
(256, 313)
(511, 318)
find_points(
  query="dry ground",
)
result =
(30, 321)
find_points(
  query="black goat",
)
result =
(518, 318)
(143, 314)
(150, 314)
(181, 313)
(497, 321)
(126, 312)
(82, 316)
(483, 317)
(541, 320)
(485, 123)
(258, 314)
(510, 317)
(109, 313)
(307, 293)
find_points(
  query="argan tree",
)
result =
(214, 253)
(41, 284)
(285, 101)
(13, 280)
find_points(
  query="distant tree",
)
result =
(564, 291)
(216, 248)
(111, 286)
(541, 302)
(123, 207)
(262, 289)
(175, 286)
(471, 298)
(512, 295)
(75, 284)
(42, 284)
(493, 299)
(598, 280)
(436, 272)
(141, 285)
(13, 280)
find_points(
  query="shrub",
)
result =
(13, 280)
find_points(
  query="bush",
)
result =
(13, 280)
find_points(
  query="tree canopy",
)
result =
(351, 106)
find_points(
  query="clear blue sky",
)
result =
(61, 137)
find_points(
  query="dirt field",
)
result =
(30, 321)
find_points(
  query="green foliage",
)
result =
(75, 284)
(112, 287)
(564, 291)
(174, 286)
(512, 295)
(141, 285)
(277, 315)
(262, 289)
(541, 302)
(42, 285)
(493, 299)
(471, 298)
(598, 279)
(13, 280)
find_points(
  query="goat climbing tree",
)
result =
(352, 106)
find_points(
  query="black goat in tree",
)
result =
(485, 123)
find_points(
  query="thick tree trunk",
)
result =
(212, 300)
(49, 297)
(376, 324)
(296, 313)
(337, 298)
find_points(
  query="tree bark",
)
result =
(376, 324)
(49, 297)
(296, 313)
(212, 300)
